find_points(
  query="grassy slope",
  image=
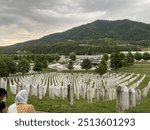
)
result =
(137, 68)
(144, 83)
(144, 105)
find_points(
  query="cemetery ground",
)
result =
(97, 106)
(144, 105)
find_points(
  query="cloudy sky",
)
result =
(22, 20)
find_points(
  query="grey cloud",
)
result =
(30, 9)
(107, 5)
(47, 16)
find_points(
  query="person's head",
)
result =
(3, 93)
(21, 97)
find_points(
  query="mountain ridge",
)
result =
(61, 36)
(122, 30)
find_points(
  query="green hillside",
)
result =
(97, 37)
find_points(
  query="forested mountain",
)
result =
(92, 38)
(121, 29)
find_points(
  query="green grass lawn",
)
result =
(78, 71)
(47, 70)
(80, 106)
(137, 68)
(144, 83)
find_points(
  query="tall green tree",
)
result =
(14, 57)
(42, 59)
(72, 56)
(123, 59)
(124, 62)
(38, 66)
(116, 61)
(12, 67)
(102, 67)
(56, 56)
(137, 56)
(105, 57)
(86, 64)
(70, 65)
(32, 57)
(44, 63)
(104, 62)
(146, 56)
(130, 59)
(4, 72)
(122, 56)
(23, 66)
(50, 58)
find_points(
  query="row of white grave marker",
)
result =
(129, 97)
(87, 86)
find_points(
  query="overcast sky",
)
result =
(22, 20)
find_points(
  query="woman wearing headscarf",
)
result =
(20, 105)
(3, 93)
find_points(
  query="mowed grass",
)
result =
(79, 106)
(135, 81)
(47, 70)
(137, 68)
(144, 83)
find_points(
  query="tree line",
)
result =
(11, 64)
(145, 56)
(84, 47)
(114, 61)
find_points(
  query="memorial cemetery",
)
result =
(119, 90)
(98, 67)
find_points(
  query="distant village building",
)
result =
(98, 57)
(64, 58)
(133, 52)
(95, 59)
